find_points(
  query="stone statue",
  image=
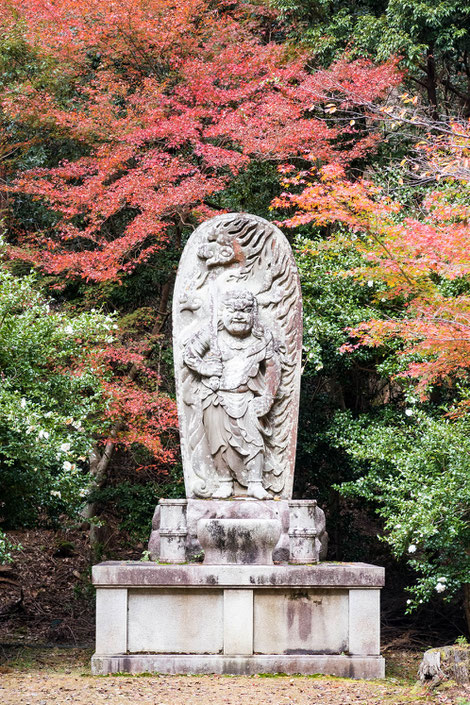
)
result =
(237, 334)
(240, 371)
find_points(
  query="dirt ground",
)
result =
(38, 676)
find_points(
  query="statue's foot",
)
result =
(256, 490)
(224, 491)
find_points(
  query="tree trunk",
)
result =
(431, 82)
(446, 663)
(466, 604)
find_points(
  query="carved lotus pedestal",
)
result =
(238, 612)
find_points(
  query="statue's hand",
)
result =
(262, 405)
(211, 367)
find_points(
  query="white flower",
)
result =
(409, 412)
(67, 466)
(115, 327)
(408, 602)
(411, 548)
(65, 447)
(43, 435)
(83, 492)
(68, 330)
(23, 403)
(440, 587)
(442, 580)
(370, 282)
(56, 493)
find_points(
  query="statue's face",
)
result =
(237, 316)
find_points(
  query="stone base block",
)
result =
(194, 618)
(335, 665)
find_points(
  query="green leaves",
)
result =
(51, 401)
(417, 471)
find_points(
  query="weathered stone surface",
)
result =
(301, 621)
(312, 546)
(238, 622)
(175, 621)
(245, 541)
(238, 618)
(337, 575)
(237, 317)
(364, 622)
(335, 665)
(111, 621)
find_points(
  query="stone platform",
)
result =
(238, 619)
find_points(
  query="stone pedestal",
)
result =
(238, 619)
(238, 541)
(303, 538)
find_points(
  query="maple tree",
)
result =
(420, 258)
(181, 97)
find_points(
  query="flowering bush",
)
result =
(419, 475)
(52, 397)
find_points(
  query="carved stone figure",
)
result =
(240, 371)
(237, 335)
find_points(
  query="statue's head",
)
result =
(239, 314)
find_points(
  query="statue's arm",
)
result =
(195, 351)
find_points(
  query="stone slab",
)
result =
(297, 621)
(238, 622)
(364, 627)
(175, 621)
(337, 665)
(142, 574)
(111, 620)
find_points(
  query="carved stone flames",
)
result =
(237, 318)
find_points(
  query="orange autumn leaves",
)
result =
(420, 262)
